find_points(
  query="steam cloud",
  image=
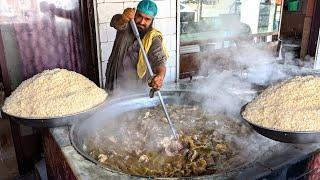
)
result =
(230, 87)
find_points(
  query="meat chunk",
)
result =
(173, 148)
(222, 148)
(144, 158)
(102, 158)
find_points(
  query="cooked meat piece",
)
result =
(173, 148)
(221, 148)
(144, 158)
(102, 158)
(165, 120)
(146, 115)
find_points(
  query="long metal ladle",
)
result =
(137, 35)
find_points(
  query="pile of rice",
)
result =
(56, 92)
(292, 105)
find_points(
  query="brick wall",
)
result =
(165, 22)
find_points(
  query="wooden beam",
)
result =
(314, 30)
(307, 28)
(56, 164)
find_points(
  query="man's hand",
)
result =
(128, 14)
(156, 82)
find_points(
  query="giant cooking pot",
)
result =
(81, 131)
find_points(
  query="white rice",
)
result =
(56, 92)
(293, 105)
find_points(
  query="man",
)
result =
(126, 68)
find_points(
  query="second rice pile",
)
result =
(292, 105)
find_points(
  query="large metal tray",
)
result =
(299, 137)
(51, 122)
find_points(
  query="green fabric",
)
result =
(148, 7)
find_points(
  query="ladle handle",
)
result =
(134, 29)
(137, 35)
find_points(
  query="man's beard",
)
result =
(143, 31)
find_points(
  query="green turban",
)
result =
(148, 7)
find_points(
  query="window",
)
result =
(208, 27)
(209, 19)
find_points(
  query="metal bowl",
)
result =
(298, 137)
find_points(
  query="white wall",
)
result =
(165, 22)
(250, 14)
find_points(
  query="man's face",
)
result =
(143, 21)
